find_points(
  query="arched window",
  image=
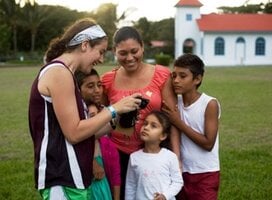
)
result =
(240, 40)
(260, 46)
(188, 46)
(219, 46)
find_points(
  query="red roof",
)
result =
(193, 3)
(235, 22)
(157, 43)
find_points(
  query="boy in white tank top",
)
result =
(197, 118)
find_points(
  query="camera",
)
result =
(127, 120)
(144, 102)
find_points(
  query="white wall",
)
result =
(186, 29)
(231, 49)
(235, 54)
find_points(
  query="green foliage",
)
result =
(145, 29)
(33, 26)
(268, 7)
(106, 16)
(245, 131)
(163, 59)
(165, 30)
(4, 39)
(52, 25)
(250, 8)
(9, 13)
(162, 30)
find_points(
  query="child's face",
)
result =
(92, 110)
(183, 81)
(91, 89)
(152, 130)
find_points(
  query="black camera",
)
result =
(144, 102)
(127, 120)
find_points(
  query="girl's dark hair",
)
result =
(58, 45)
(80, 76)
(166, 126)
(125, 33)
(191, 62)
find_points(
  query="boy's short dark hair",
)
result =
(191, 62)
(80, 76)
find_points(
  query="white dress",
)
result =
(149, 173)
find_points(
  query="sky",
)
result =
(153, 10)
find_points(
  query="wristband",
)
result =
(113, 111)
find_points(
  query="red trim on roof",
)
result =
(157, 43)
(193, 3)
(235, 22)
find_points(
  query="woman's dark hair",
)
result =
(166, 125)
(125, 33)
(58, 45)
(191, 62)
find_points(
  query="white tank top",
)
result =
(194, 158)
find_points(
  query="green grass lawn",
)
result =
(245, 94)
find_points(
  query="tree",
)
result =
(248, 8)
(4, 40)
(106, 16)
(32, 17)
(9, 12)
(242, 9)
(144, 28)
(165, 32)
(54, 23)
(268, 8)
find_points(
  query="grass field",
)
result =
(245, 94)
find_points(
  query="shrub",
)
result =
(163, 59)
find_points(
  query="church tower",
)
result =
(187, 33)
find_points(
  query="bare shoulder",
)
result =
(55, 77)
(213, 107)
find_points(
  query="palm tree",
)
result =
(22, 3)
(32, 17)
(9, 11)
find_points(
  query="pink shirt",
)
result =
(128, 140)
(111, 161)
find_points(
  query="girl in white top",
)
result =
(153, 172)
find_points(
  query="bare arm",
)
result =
(116, 192)
(98, 170)
(205, 140)
(58, 84)
(104, 130)
(170, 98)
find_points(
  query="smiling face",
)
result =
(92, 55)
(152, 130)
(91, 89)
(129, 54)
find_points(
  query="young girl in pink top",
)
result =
(106, 155)
(91, 90)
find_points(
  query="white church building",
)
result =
(223, 39)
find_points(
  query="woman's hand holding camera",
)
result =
(128, 103)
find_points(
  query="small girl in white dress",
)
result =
(153, 172)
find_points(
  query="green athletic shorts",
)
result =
(64, 193)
